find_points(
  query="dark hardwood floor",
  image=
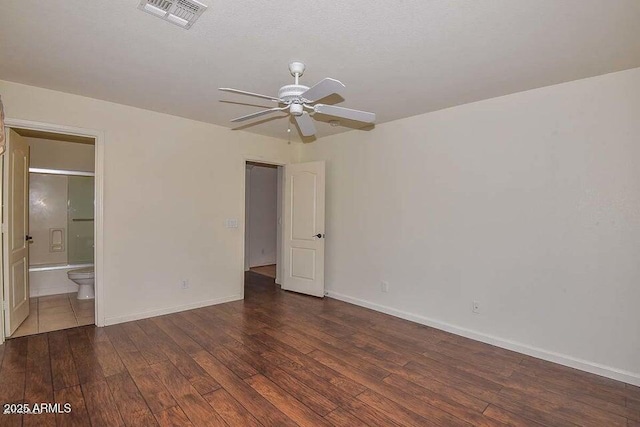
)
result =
(280, 359)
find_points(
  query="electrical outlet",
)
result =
(476, 307)
(384, 286)
(185, 284)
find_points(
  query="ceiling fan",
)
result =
(297, 98)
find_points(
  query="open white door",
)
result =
(303, 246)
(16, 229)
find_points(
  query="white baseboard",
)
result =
(562, 359)
(168, 310)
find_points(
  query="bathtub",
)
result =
(52, 279)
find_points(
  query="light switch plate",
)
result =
(231, 223)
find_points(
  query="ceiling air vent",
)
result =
(180, 12)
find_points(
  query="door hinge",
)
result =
(5, 305)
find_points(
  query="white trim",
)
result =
(60, 172)
(562, 359)
(243, 189)
(168, 310)
(99, 137)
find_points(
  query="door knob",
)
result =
(319, 235)
(28, 238)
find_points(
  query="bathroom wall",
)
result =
(47, 211)
(62, 155)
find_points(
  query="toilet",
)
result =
(84, 278)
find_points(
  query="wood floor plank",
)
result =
(264, 411)
(87, 365)
(409, 401)
(156, 395)
(508, 418)
(289, 340)
(129, 401)
(369, 415)
(183, 340)
(173, 417)
(63, 368)
(441, 401)
(318, 394)
(350, 354)
(317, 402)
(108, 358)
(392, 410)
(448, 392)
(78, 415)
(337, 379)
(343, 418)
(151, 353)
(13, 377)
(101, 405)
(38, 381)
(238, 366)
(198, 378)
(291, 406)
(187, 397)
(233, 413)
(129, 354)
(587, 403)
(570, 410)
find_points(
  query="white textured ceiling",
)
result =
(397, 58)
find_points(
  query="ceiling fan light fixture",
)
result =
(296, 109)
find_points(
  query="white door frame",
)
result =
(98, 135)
(243, 213)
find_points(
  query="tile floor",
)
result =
(55, 312)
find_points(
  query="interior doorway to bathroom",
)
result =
(49, 231)
(263, 219)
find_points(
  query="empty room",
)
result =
(320, 213)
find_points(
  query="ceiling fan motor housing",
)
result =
(290, 93)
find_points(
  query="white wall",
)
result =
(51, 154)
(528, 203)
(262, 215)
(169, 185)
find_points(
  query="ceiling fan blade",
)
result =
(323, 89)
(258, 114)
(305, 123)
(244, 92)
(345, 113)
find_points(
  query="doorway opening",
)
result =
(49, 215)
(263, 220)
